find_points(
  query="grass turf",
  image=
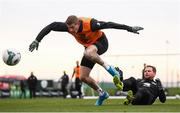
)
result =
(82, 105)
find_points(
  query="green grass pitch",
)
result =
(83, 105)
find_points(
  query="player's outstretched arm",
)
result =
(135, 29)
(55, 26)
(97, 25)
(34, 45)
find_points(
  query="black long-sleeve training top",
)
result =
(95, 25)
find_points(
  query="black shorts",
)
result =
(102, 46)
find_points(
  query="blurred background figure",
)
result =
(64, 82)
(32, 83)
(78, 82)
(23, 89)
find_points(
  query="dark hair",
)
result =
(154, 68)
(71, 19)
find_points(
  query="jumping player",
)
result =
(87, 31)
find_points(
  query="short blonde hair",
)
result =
(71, 19)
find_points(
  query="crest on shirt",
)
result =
(98, 24)
(146, 84)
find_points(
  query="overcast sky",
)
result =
(22, 20)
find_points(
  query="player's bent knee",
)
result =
(90, 55)
(86, 54)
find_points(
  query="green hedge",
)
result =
(173, 91)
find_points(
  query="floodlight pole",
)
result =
(167, 63)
